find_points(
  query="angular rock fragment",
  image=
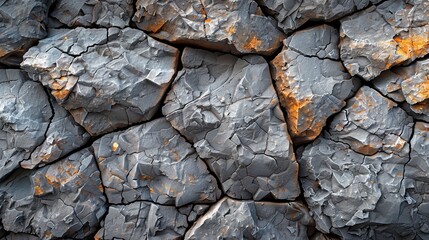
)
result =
(292, 14)
(153, 162)
(62, 137)
(20, 236)
(87, 13)
(311, 82)
(394, 32)
(62, 200)
(232, 219)
(238, 27)
(229, 109)
(106, 78)
(143, 220)
(353, 175)
(22, 23)
(25, 115)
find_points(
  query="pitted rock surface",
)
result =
(232, 219)
(63, 200)
(311, 82)
(394, 32)
(25, 114)
(231, 26)
(153, 162)
(229, 109)
(106, 78)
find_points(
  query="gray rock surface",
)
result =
(62, 200)
(227, 107)
(394, 32)
(153, 162)
(89, 13)
(353, 175)
(311, 82)
(106, 78)
(144, 220)
(232, 219)
(22, 23)
(292, 14)
(25, 114)
(231, 26)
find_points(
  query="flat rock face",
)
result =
(311, 81)
(353, 175)
(87, 13)
(153, 162)
(20, 29)
(63, 200)
(232, 26)
(232, 219)
(25, 115)
(228, 108)
(394, 32)
(106, 78)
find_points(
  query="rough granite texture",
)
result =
(394, 32)
(153, 162)
(227, 107)
(106, 78)
(237, 26)
(22, 23)
(311, 82)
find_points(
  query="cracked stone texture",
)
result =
(22, 23)
(353, 175)
(311, 81)
(237, 26)
(232, 219)
(62, 200)
(89, 13)
(292, 14)
(394, 32)
(153, 162)
(106, 78)
(62, 137)
(146, 220)
(25, 114)
(227, 107)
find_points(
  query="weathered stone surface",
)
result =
(353, 175)
(292, 14)
(63, 200)
(87, 13)
(22, 23)
(143, 220)
(20, 236)
(62, 137)
(229, 109)
(232, 219)
(311, 82)
(24, 118)
(232, 26)
(394, 32)
(153, 162)
(106, 78)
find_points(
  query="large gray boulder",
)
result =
(231, 26)
(311, 82)
(106, 78)
(153, 162)
(228, 108)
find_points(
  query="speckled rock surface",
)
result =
(106, 78)
(63, 200)
(228, 108)
(394, 32)
(231, 26)
(311, 82)
(153, 162)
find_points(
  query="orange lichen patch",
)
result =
(367, 149)
(208, 20)
(412, 47)
(60, 95)
(45, 157)
(156, 26)
(151, 190)
(48, 235)
(115, 146)
(145, 177)
(231, 30)
(252, 43)
(38, 191)
(421, 93)
(100, 188)
(56, 86)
